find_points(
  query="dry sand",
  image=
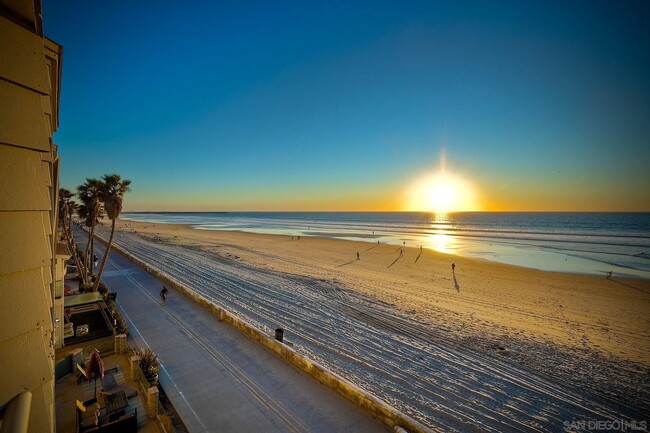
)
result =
(578, 312)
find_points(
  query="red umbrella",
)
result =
(95, 367)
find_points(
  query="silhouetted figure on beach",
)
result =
(401, 252)
(358, 257)
(609, 275)
(453, 267)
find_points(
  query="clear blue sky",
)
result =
(342, 105)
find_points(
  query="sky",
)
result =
(225, 106)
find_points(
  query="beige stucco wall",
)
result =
(29, 83)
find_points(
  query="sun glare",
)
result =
(442, 193)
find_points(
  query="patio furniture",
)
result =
(87, 414)
(81, 330)
(110, 386)
(115, 403)
(89, 419)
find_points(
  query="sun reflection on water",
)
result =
(440, 238)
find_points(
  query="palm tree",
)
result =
(112, 194)
(91, 211)
(67, 207)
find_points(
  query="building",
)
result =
(30, 74)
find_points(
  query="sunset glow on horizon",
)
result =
(442, 192)
(347, 107)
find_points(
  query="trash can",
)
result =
(279, 334)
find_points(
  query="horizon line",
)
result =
(382, 211)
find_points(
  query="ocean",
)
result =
(591, 243)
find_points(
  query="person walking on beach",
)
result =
(358, 255)
(163, 295)
(609, 275)
(453, 267)
(401, 252)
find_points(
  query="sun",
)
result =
(442, 197)
(442, 192)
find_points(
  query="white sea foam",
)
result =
(594, 243)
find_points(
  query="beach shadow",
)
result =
(345, 264)
(418, 257)
(456, 286)
(373, 247)
(630, 286)
(395, 261)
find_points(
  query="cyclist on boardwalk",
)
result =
(163, 295)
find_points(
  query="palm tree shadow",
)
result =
(345, 264)
(395, 261)
(456, 286)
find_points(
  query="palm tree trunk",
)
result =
(91, 255)
(75, 256)
(108, 249)
(89, 245)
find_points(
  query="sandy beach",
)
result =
(586, 333)
(573, 310)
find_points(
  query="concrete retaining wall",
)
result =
(369, 403)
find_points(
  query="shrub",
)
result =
(103, 290)
(120, 325)
(149, 362)
(119, 322)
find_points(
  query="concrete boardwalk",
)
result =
(218, 379)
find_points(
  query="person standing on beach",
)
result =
(401, 252)
(453, 267)
(358, 255)
(609, 275)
